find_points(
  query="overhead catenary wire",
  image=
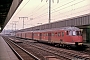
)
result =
(40, 16)
(68, 6)
(65, 8)
(36, 11)
(63, 15)
(62, 5)
(40, 11)
(52, 10)
(22, 7)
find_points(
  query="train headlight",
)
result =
(80, 43)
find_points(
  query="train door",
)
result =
(21, 35)
(62, 37)
(25, 35)
(40, 36)
(32, 34)
(49, 37)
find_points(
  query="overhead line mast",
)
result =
(23, 20)
(49, 11)
(50, 8)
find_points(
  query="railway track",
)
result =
(21, 53)
(87, 51)
(67, 54)
(59, 52)
(43, 55)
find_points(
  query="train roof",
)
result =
(56, 29)
(62, 28)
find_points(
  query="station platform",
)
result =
(5, 52)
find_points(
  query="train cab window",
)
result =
(78, 32)
(74, 33)
(70, 32)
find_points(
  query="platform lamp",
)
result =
(0, 28)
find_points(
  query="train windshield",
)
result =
(74, 33)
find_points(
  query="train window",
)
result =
(25, 34)
(56, 34)
(46, 34)
(43, 34)
(67, 33)
(21, 34)
(62, 33)
(34, 34)
(52, 34)
(59, 34)
(38, 34)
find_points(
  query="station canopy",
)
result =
(5, 7)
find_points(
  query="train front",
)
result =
(76, 38)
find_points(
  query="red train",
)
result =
(65, 36)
